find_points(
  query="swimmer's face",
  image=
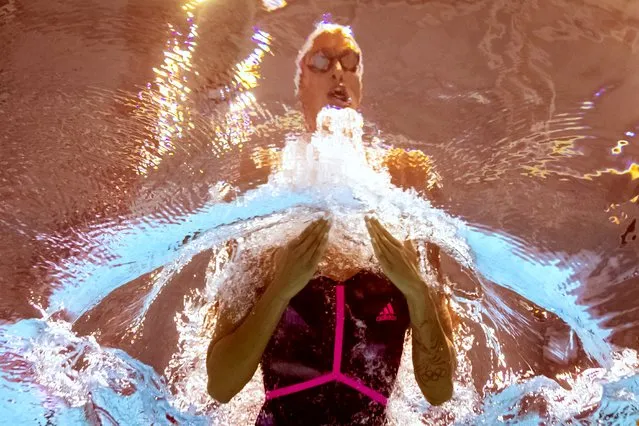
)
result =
(329, 75)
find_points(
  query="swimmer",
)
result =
(330, 348)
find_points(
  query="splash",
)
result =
(47, 372)
(331, 172)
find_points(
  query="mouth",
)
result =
(339, 97)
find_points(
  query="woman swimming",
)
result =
(330, 347)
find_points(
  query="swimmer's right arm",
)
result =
(235, 350)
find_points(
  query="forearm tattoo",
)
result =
(432, 358)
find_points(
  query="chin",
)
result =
(337, 105)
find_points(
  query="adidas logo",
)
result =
(387, 314)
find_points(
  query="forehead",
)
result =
(333, 42)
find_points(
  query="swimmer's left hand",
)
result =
(399, 261)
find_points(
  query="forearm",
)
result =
(433, 353)
(232, 360)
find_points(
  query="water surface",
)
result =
(139, 148)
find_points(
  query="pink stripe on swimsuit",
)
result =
(335, 375)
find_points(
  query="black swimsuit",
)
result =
(334, 355)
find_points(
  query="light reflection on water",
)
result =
(528, 290)
(169, 94)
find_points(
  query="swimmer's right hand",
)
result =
(296, 262)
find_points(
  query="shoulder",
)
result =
(412, 169)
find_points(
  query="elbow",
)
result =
(218, 392)
(443, 393)
(217, 384)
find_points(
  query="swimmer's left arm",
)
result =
(433, 352)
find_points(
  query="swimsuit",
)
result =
(333, 357)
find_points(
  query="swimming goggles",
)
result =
(321, 62)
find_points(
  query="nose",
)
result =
(337, 71)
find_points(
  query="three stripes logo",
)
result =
(387, 314)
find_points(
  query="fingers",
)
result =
(412, 250)
(389, 251)
(309, 245)
(317, 247)
(306, 232)
(390, 248)
(384, 240)
(380, 253)
(319, 250)
(384, 234)
(377, 249)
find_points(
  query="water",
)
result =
(150, 148)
